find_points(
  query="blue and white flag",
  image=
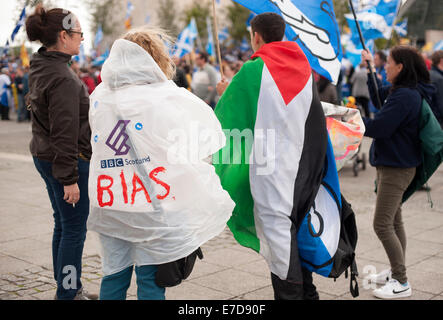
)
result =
(20, 23)
(376, 19)
(129, 8)
(81, 58)
(223, 34)
(312, 24)
(98, 36)
(185, 41)
(353, 51)
(372, 26)
(100, 59)
(210, 48)
(402, 28)
(389, 10)
(438, 46)
(248, 22)
(244, 46)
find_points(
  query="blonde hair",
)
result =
(153, 41)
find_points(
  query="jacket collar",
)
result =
(54, 55)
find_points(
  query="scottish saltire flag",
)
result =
(101, 59)
(223, 34)
(372, 25)
(312, 24)
(185, 41)
(82, 56)
(98, 36)
(248, 22)
(244, 45)
(376, 19)
(277, 153)
(353, 51)
(438, 46)
(20, 23)
(402, 28)
(210, 48)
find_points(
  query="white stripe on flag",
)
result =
(273, 206)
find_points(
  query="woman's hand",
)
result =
(72, 193)
(367, 56)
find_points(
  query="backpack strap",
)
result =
(353, 286)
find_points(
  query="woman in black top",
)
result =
(60, 142)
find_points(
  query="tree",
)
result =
(199, 10)
(103, 14)
(340, 8)
(166, 13)
(237, 16)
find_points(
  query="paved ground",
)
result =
(228, 270)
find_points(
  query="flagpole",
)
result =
(362, 40)
(216, 38)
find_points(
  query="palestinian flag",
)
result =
(275, 162)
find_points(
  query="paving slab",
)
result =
(228, 270)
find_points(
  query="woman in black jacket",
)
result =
(395, 152)
(60, 142)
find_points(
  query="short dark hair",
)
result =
(414, 67)
(270, 25)
(45, 26)
(382, 55)
(436, 57)
(204, 56)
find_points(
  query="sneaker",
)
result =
(393, 290)
(380, 278)
(82, 294)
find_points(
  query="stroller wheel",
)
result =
(355, 167)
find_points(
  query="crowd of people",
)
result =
(68, 124)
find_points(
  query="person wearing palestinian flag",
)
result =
(273, 172)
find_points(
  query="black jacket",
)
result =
(437, 80)
(60, 105)
(395, 128)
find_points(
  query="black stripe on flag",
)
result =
(309, 176)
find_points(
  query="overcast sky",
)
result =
(8, 21)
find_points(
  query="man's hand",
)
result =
(72, 194)
(221, 86)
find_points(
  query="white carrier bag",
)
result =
(148, 179)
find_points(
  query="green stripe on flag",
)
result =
(237, 109)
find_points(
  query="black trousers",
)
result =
(285, 290)
(4, 112)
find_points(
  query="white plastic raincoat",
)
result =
(149, 185)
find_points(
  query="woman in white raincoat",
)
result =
(154, 198)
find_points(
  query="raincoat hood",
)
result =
(130, 64)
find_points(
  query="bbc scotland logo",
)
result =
(111, 163)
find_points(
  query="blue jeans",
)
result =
(115, 286)
(69, 229)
